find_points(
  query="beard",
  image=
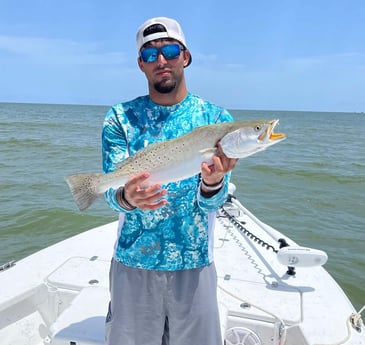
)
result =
(165, 87)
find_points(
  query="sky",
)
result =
(304, 55)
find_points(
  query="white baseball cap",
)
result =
(160, 27)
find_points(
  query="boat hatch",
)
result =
(82, 323)
(79, 272)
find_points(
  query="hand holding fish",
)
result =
(146, 197)
(138, 193)
(214, 173)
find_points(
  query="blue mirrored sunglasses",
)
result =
(169, 51)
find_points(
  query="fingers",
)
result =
(149, 198)
(214, 173)
(139, 193)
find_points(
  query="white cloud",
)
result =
(340, 60)
(56, 51)
(327, 82)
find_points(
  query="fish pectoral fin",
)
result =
(207, 154)
(209, 151)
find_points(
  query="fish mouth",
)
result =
(269, 135)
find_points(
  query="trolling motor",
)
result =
(291, 256)
(296, 256)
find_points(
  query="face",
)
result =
(164, 75)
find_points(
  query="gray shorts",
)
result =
(163, 307)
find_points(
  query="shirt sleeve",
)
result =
(214, 202)
(114, 150)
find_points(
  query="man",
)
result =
(162, 276)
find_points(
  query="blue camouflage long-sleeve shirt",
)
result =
(180, 234)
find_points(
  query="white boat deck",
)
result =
(60, 295)
(310, 298)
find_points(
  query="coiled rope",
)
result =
(353, 321)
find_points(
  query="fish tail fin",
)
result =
(84, 189)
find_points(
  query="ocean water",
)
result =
(311, 186)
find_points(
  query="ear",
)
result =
(140, 63)
(186, 57)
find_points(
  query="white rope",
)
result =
(353, 320)
(282, 336)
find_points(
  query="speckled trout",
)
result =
(179, 158)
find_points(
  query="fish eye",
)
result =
(257, 128)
